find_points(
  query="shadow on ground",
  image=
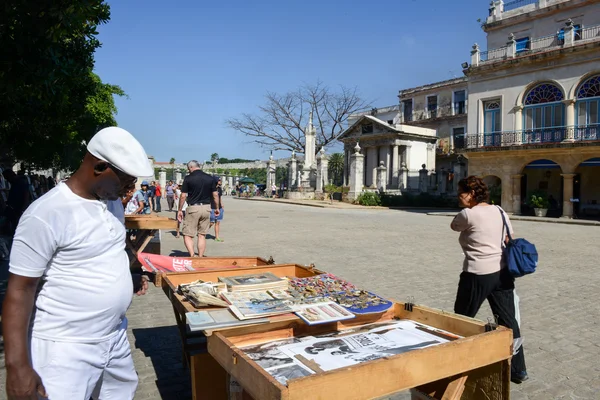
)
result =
(162, 346)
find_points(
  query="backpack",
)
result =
(521, 255)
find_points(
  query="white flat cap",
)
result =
(119, 148)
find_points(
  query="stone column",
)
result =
(384, 155)
(356, 173)
(475, 55)
(516, 193)
(519, 125)
(511, 46)
(382, 177)
(292, 172)
(570, 120)
(271, 176)
(319, 182)
(230, 182)
(178, 176)
(406, 155)
(371, 167)
(442, 180)
(569, 33)
(423, 184)
(325, 169)
(403, 184)
(346, 167)
(395, 167)
(162, 177)
(567, 195)
(431, 156)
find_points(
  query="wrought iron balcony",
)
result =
(563, 134)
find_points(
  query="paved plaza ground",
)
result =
(399, 254)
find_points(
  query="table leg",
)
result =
(142, 242)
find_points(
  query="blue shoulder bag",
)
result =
(521, 255)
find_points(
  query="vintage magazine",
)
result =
(321, 313)
(246, 305)
(215, 319)
(252, 282)
(381, 341)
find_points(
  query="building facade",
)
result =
(533, 104)
(393, 156)
(441, 106)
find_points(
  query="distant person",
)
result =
(238, 190)
(177, 196)
(157, 197)
(485, 274)
(152, 195)
(170, 193)
(200, 191)
(216, 219)
(143, 199)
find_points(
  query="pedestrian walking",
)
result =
(157, 197)
(217, 219)
(77, 346)
(200, 191)
(169, 191)
(485, 274)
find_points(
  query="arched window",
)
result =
(588, 102)
(543, 107)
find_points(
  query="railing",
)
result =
(583, 133)
(518, 4)
(439, 112)
(544, 42)
(593, 32)
(494, 54)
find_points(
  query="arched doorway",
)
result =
(586, 188)
(494, 185)
(542, 178)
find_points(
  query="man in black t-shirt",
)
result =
(200, 191)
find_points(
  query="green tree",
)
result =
(50, 101)
(336, 168)
(214, 157)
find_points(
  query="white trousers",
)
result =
(78, 371)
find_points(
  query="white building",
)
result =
(533, 103)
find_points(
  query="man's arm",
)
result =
(22, 381)
(182, 199)
(141, 207)
(215, 196)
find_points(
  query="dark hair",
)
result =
(476, 185)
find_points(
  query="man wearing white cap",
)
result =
(70, 242)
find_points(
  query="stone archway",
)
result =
(542, 177)
(494, 185)
(586, 189)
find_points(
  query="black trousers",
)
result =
(498, 289)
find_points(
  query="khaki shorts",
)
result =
(196, 221)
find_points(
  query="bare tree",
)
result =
(282, 120)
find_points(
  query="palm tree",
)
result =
(214, 157)
(336, 168)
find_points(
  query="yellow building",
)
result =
(534, 103)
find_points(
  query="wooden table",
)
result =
(147, 226)
(474, 367)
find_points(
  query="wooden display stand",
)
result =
(147, 226)
(474, 367)
(208, 263)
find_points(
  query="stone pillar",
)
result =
(310, 136)
(292, 172)
(346, 169)
(325, 169)
(442, 180)
(506, 198)
(319, 182)
(271, 175)
(519, 124)
(406, 156)
(431, 156)
(403, 184)
(475, 55)
(511, 46)
(162, 177)
(395, 166)
(516, 193)
(356, 173)
(569, 33)
(223, 180)
(178, 176)
(384, 155)
(570, 120)
(371, 167)
(423, 184)
(382, 177)
(567, 195)
(433, 183)
(230, 182)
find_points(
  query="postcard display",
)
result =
(294, 332)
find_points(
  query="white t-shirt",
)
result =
(78, 248)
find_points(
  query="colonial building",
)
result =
(392, 156)
(441, 106)
(533, 104)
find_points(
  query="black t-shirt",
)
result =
(152, 191)
(199, 187)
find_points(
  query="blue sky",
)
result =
(187, 66)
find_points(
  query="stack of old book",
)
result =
(254, 282)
